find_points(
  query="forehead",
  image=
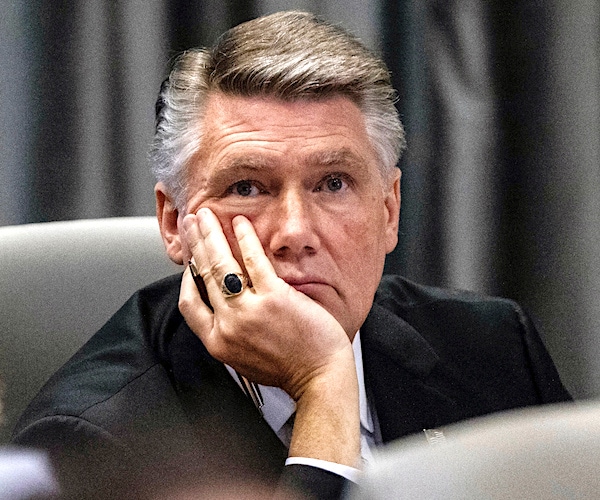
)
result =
(237, 128)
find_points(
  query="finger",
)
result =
(220, 257)
(210, 248)
(257, 264)
(194, 239)
(200, 284)
(197, 314)
(196, 245)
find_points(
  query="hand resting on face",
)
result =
(274, 335)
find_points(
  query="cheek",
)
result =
(364, 250)
(364, 230)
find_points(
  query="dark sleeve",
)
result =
(312, 482)
(545, 375)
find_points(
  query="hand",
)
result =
(271, 333)
(275, 335)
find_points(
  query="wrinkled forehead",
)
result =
(252, 130)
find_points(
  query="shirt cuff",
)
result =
(350, 473)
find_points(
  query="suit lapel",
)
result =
(230, 431)
(400, 374)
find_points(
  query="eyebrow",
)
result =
(336, 157)
(243, 165)
(330, 157)
(249, 162)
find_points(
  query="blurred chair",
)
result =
(545, 453)
(26, 475)
(59, 282)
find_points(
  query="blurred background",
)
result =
(500, 99)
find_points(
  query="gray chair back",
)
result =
(546, 453)
(59, 282)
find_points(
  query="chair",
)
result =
(546, 453)
(59, 282)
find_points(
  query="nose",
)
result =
(294, 227)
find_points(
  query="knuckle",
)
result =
(184, 304)
(220, 269)
(252, 260)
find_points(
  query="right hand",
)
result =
(271, 333)
(275, 335)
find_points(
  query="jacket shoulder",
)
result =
(128, 352)
(487, 339)
(429, 308)
(404, 293)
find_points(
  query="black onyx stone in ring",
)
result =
(233, 284)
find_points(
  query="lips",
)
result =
(305, 280)
(311, 286)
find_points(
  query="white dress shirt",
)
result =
(279, 407)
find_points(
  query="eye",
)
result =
(245, 189)
(333, 183)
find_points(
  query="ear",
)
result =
(168, 221)
(392, 210)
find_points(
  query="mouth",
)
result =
(312, 287)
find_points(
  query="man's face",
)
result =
(306, 176)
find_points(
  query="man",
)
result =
(275, 155)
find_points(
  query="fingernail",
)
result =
(188, 222)
(203, 212)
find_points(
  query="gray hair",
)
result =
(288, 55)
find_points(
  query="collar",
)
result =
(279, 406)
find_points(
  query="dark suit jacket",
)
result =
(143, 399)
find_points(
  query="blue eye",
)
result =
(245, 189)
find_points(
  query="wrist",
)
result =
(327, 425)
